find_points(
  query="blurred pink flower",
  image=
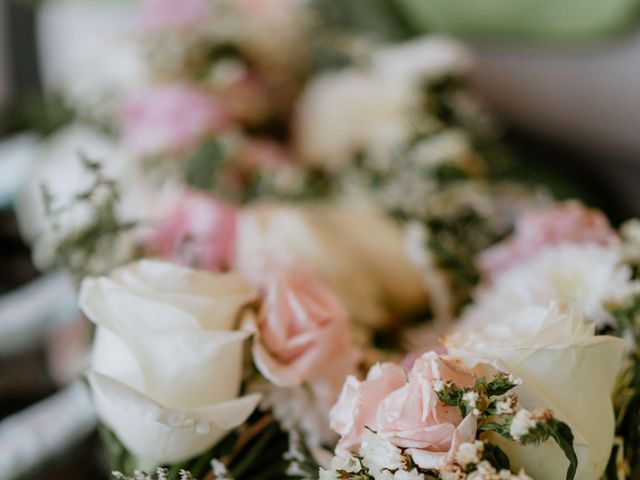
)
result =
(199, 231)
(406, 410)
(171, 118)
(247, 96)
(264, 7)
(568, 222)
(265, 154)
(159, 14)
(302, 333)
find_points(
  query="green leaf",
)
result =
(202, 165)
(496, 457)
(562, 434)
(501, 429)
(500, 385)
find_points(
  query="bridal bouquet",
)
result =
(304, 258)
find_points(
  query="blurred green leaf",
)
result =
(532, 19)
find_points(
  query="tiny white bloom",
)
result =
(452, 472)
(405, 475)
(328, 475)
(523, 422)
(379, 454)
(505, 406)
(438, 385)
(484, 471)
(347, 463)
(470, 453)
(514, 380)
(470, 399)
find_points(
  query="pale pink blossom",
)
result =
(410, 358)
(568, 222)
(171, 118)
(404, 408)
(357, 407)
(302, 333)
(198, 231)
(161, 14)
(414, 418)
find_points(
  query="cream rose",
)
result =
(358, 252)
(563, 367)
(167, 362)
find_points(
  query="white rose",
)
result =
(359, 253)
(167, 362)
(565, 368)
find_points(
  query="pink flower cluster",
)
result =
(403, 407)
(198, 231)
(171, 118)
(161, 14)
(568, 222)
(302, 333)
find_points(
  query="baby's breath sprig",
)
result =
(161, 474)
(484, 398)
(496, 409)
(102, 241)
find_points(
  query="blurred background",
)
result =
(562, 75)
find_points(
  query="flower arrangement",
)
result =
(302, 260)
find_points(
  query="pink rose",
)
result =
(171, 118)
(357, 406)
(410, 358)
(414, 418)
(199, 231)
(568, 222)
(406, 410)
(302, 333)
(160, 14)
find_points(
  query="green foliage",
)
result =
(38, 113)
(455, 240)
(217, 166)
(203, 164)
(381, 19)
(495, 456)
(562, 434)
(486, 396)
(626, 397)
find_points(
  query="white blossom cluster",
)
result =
(379, 459)
(483, 471)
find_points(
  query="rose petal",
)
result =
(159, 434)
